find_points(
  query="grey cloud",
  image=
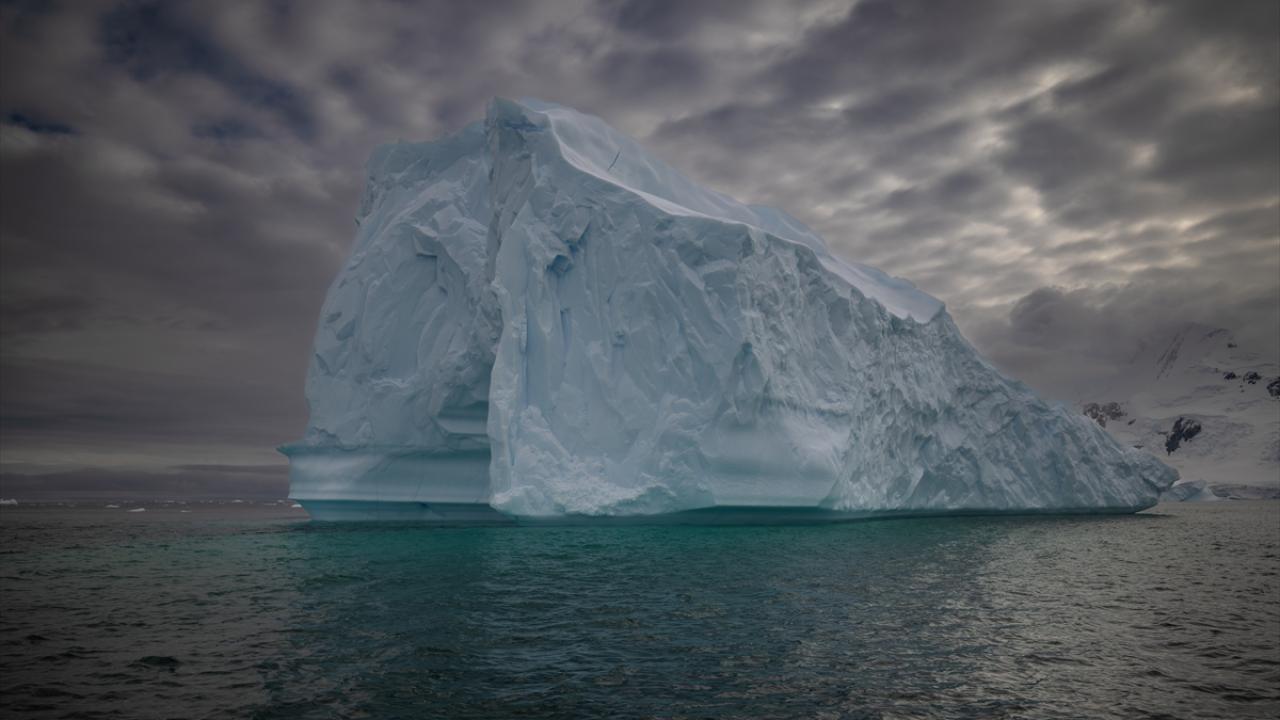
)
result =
(1245, 29)
(958, 45)
(667, 20)
(152, 39)
(918, 151)
(896, 107)
(1125, 99)
(43, 314)
(968, 190)
(1069, 341)
(187, 234)
(60, 402)
(651, 74)
(1229, 153)
(1058, 157)
(741, 124)
(868, 40)
(1261, 222)
(1075, 248)
(42, 126)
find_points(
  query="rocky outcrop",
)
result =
(1183, 430)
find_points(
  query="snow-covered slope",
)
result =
(1201, 375)
(541, 318)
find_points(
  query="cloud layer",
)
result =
(177, 180)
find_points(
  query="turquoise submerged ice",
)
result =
(541, 320)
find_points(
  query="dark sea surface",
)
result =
(250, 611)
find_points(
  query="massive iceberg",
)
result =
(539, 321)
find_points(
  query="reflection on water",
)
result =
(241, 613)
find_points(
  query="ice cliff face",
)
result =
(540, 316)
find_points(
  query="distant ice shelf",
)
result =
(541, 322)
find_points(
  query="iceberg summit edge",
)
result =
(541, 322)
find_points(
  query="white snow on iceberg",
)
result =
(541, 320)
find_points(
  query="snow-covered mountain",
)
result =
(540, 319)
(1202, 403)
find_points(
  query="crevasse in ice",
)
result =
(541, 319)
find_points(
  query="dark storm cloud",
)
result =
(1056, 156)
(962, 191)
(669, 20)
(651, 73)
(151, 39)
(1255, 223)
(1227, 155)
(951, 45)
(895, 108)
(1074, 341)
(43, 313)
(177, 181)
(39, 126)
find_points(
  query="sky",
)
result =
(178, 182)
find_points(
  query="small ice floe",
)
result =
(237, 502)
(182, 511)
(8, 501)
(113, 506)
(137, 510)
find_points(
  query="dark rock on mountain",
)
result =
(1183, 430)
(1102, 412)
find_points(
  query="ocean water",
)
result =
(240, 611)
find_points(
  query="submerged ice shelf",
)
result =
(539, 320)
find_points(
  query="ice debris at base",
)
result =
(540, 316)
(1190, 491)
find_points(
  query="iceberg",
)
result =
(541, 321)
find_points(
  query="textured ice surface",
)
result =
(541, 316)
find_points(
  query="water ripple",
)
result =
(249, 613)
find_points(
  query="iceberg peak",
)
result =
(590, 145)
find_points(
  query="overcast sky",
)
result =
(178, 180)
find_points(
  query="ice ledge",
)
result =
(385, 475)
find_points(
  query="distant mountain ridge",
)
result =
(1202, 403)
